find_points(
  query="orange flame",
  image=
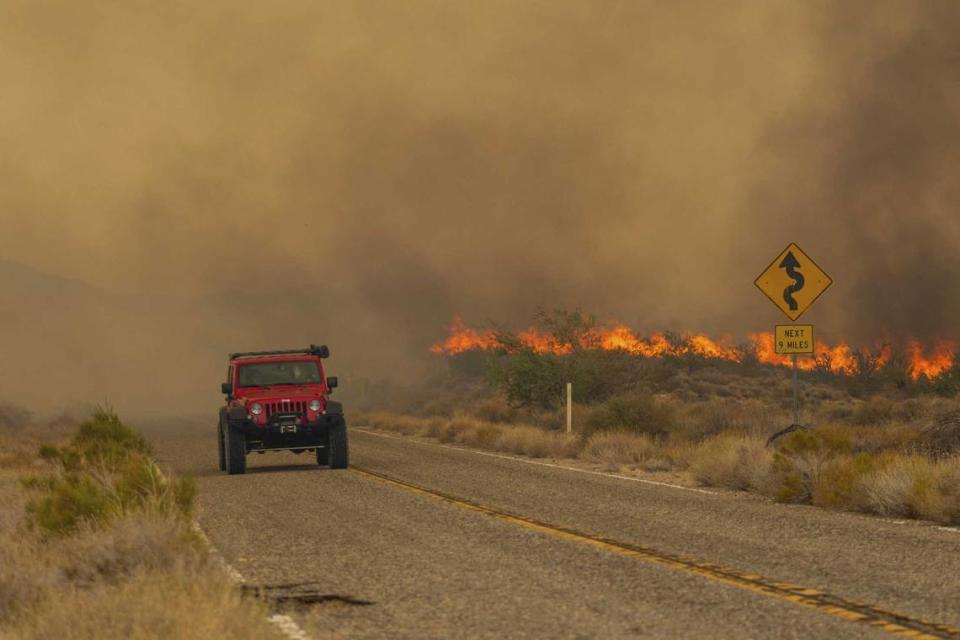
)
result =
(839, 358)
(939, 360)
(463, 338)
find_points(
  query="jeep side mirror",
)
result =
(226, 388)
(331, 382)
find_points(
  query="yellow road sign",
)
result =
(794, 338)
(793, 281)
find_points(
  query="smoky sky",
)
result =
(209, 176)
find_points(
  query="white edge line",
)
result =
(534, 462)
(284, 623)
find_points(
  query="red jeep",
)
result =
(279, 401)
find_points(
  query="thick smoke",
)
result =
(870, 168)
(201, 177)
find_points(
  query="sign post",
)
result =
(794, 339)
(793, 282)
(796, 391)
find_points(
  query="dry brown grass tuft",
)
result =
(131, 545)
(537, 443)
(187, 601)
(483, 436)
(734, 461)
(914, 487)
(619, 448)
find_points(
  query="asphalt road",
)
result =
(534, 551)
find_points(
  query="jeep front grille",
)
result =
(287, 406)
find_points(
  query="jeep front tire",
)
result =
(236, 451)
(337, 447)
(221, 448)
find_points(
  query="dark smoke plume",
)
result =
(182, 179)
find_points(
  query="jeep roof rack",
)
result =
(313, 350)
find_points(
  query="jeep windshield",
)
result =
(268, 374)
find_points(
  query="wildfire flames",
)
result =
(839, 358)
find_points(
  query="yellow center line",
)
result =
(895, 623)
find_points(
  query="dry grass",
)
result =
(914, 487)
(140, 573)
(521, 439)
(186, 601)
(733, 461)
(619, 448)
(870, 467)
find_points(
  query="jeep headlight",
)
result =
(256, 409)
(314, 405)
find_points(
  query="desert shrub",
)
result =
(894, 437)
(484, 436)
(459, 428)
(800, 459)
(192, 601)
(439, 406)
(941, 436)
(495, 409)
(908, 486)
(534, 378)
(537, 443)
(618, 447)
(132, 544)
(104, 438)
(68, 502)
(103, 472)
(874, 411)
(110, 553)
(406, 425)
(834, 411)
(733, 461)
(23, 577)
(530, 379)
(911, 409)
(841, 480)
(711, 417)
(635, 413)
(947, 508)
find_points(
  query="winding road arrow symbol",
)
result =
(791, 265)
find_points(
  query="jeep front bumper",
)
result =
(286, 431)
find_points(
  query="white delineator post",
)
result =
(569, 407)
